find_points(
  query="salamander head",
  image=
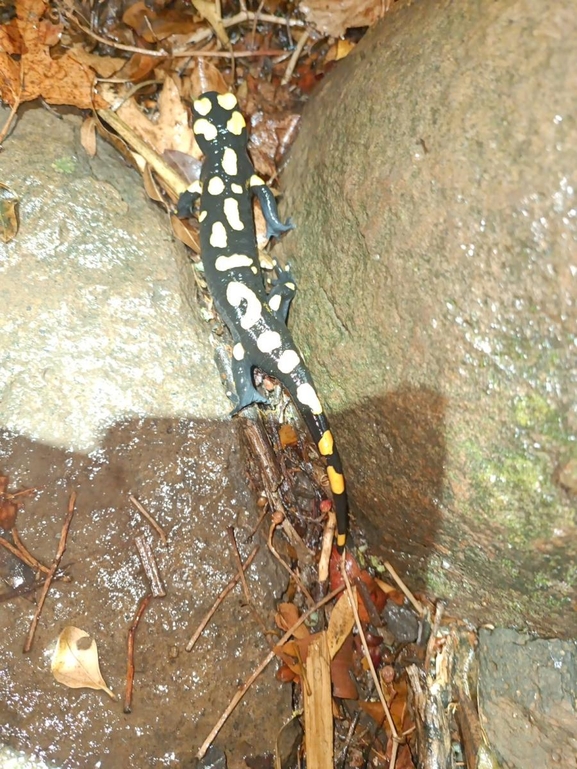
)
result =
(216, 117)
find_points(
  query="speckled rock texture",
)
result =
(528, 698)
(433, 189)
(97, 322)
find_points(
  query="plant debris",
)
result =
(75, 661)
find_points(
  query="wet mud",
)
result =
(190, 476)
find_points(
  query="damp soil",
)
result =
(190, 475)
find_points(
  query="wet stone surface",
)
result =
(190, 476)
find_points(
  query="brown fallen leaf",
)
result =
(60, 80)
(286, 616)
(75, 661)
(8, 218)
(341, 623)
(334, 17)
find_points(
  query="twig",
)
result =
(15, 551)
(295, 57)
(327, 546)
(392, 727)
(298, 582)
(144, 512)
(238, 560)
(33, 562)
(24, 590)
(223, 594)
(130, 653)
(52, 572)
(439, 609)
(419, 608)
(252, 678)
(17, 99)
(150, 566)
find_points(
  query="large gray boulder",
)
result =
(433, 188)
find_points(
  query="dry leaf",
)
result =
(88, 136)
(8, 218)
(287, 615)
(341, 623)
(334, 17)
(287, 436)
(35, 73)
(75, 661)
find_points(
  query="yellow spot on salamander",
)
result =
(230, 162)
(274, 302)
(307, 396)
(202, 216)
(326, 443)
(215, 186)
(236, 124)
(235, 294)
(238, 351)
(236, 188)
(218, 238)
(232, 214)
(341, 539)
(336, 481)
(231, 262)
(288, 361)
(255, 181)
(227, 100)
(202, 127)
(268, 341)
(202, 106)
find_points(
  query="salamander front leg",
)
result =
(274, 226)
(281, 295)
(246, 392)
(187, 200)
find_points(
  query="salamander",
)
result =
(255, 319)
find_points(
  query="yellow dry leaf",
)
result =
(287, 615)
(8, 217)
(341, 623)
(75, 661)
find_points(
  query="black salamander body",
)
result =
(256, 320)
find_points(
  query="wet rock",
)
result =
(97, 297)
(433, 188)
(528, 698)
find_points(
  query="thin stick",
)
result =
(238, 560)
(176, 54)
(327, 546)
(252, 678)
(223, 594)
(18, 553)
(150, 567)
(7, 125)
(392, 727)
(144, 512)
(33, 562)
(52, 572)
(298, 582)
(295, 57)
(130, 653)
(417, 604)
